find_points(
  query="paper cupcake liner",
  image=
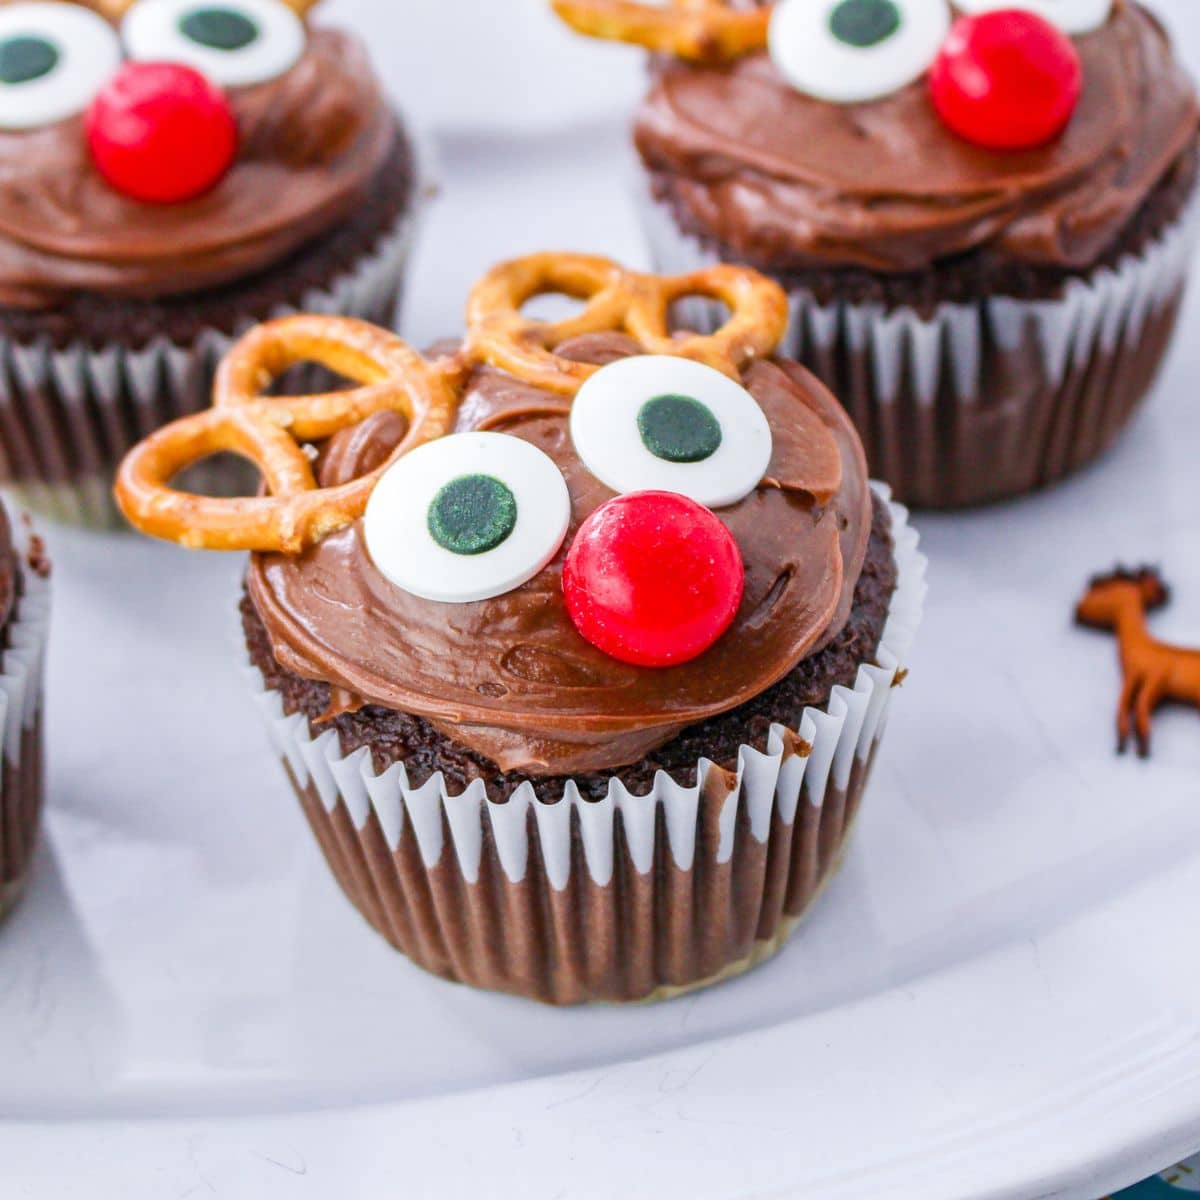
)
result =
(22, 669)
(68, 416)
(978, 402)
(627, 898)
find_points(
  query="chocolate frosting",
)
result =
(785, 179)
(511, 678)
(312, 141)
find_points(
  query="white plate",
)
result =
(999, 997)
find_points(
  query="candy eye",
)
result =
(467, 517)
(1071, 16)
(658, 423)
(847, 51)
(234, 44)
(54, 58)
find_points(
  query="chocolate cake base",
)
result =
(642, 932)
(21, 783)
(20, 815)
(82, 383)
(980, 378)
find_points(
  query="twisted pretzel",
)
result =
(274, 431)
(271, 432)
(638, 305)
(705, 31)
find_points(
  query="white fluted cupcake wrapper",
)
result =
(22, 673)
(974, 402)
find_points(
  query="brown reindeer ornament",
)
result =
(1153, 671)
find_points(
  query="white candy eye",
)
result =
(467, 517)
(54, 58)
(1071, 16)
(658, 423)
(847, 51)
(234, 43)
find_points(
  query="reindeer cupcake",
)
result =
(172, 171)
(577, 640)
(981, 210)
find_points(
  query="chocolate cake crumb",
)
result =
(401, 737)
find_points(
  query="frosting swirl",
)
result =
(511, 678)
(312, 141)
(783, 178)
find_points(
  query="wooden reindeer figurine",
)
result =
(1153, 671)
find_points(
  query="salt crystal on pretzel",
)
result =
(273, 431)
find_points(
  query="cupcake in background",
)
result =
(982, 212)
(24, 621)
(576, 641)
(171, 172)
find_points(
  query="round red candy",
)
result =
(1006, 79)
(653, 579)
(161, 132)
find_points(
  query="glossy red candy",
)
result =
(653, 579)
(161, 132)
(1006, 79)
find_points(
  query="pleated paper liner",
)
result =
(22, 668)
(625, 899)
(978, 402)
(68, 416)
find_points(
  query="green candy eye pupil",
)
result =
(219, 28)
(472, 515)
(25, 58)
(679, 429)
(864, 23)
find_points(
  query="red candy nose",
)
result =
(161, 132)
(653, 579)
(1006, 79)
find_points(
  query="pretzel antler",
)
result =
(698, 30)
(639, 305)
(273, 432)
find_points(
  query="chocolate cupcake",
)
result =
(24, 618)
(983, 220)
(577, 640)
(172, 172)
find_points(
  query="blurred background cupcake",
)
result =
(24, 620)
(982, 212)
(171, 172)
(577, 647)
